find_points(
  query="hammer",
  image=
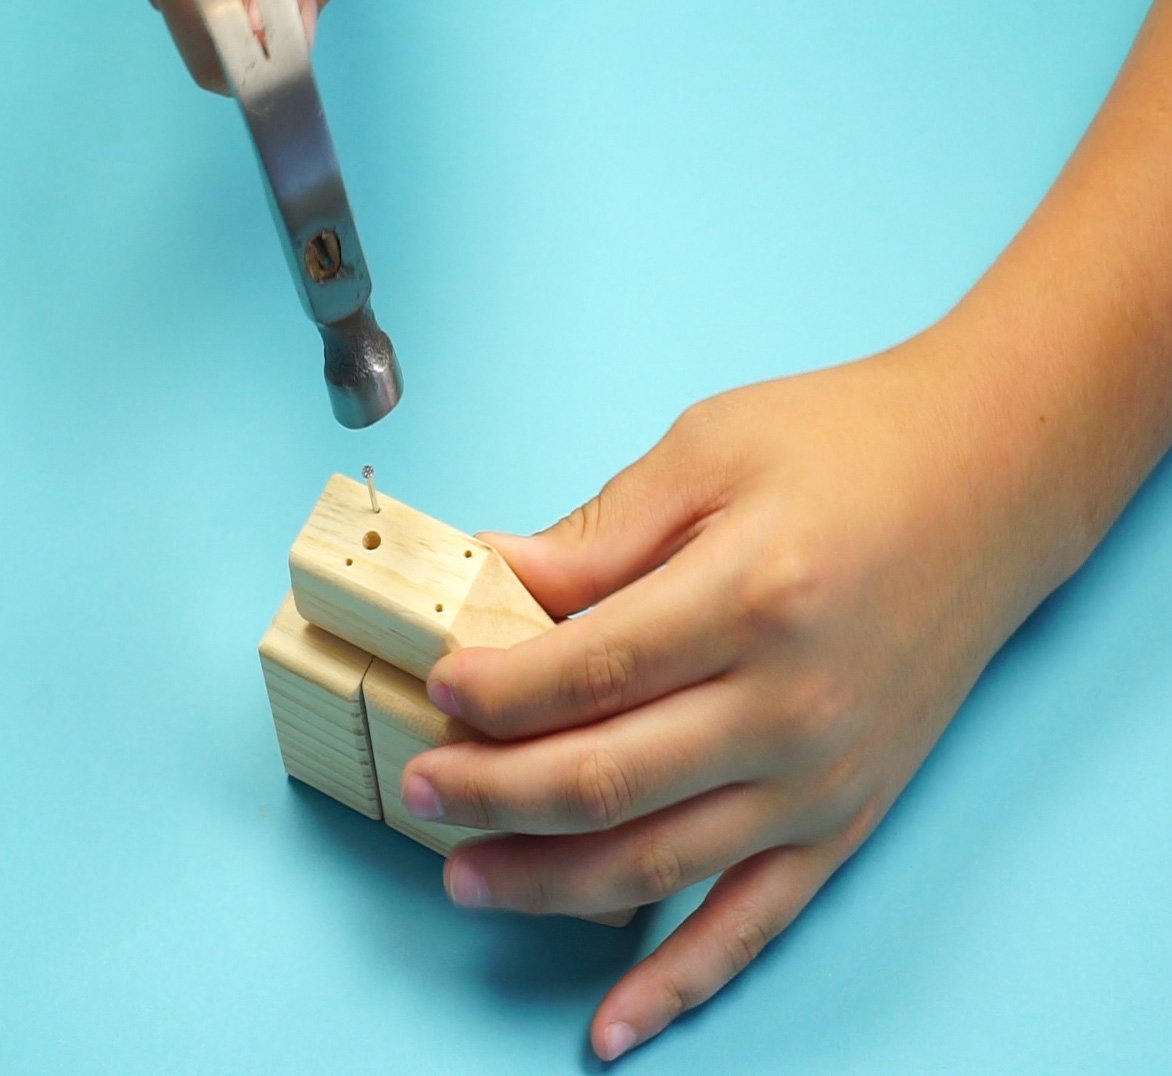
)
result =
(271, 77)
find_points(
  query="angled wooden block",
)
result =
(403, 586)
(403, 722)
(314, 684)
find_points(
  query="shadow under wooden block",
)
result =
(314, 684)
(403, 722)
(403, 586)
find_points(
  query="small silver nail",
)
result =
(368, 474)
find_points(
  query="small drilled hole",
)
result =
(349, 561)
(439, 607)
(372, 540)
(467, 552)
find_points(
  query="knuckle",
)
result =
(535, 896)
(489, 687)
(658, 872)
(703, 424)
(604, 513)
(845, 785)
(745, 942)
(602, 791)
(478, 803)
(585, 521)
(818, 727)
(702, 477)
(678, 995)
(862, 822)
(782, 589)
(604, 677)
(693, 428)
(843, 781)
(489, 712)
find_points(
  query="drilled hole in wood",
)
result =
(439, 607)
(372, 540)
(467, 552)
(349, 561)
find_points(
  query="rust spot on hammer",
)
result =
(323, 256)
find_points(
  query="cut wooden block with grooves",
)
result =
(314, 682)
(403, 586)
(403, 723)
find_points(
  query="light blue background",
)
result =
(580, 218)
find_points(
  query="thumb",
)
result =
(641, 517)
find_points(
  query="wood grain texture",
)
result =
(403, 722)
(314, 683)
(403, 586)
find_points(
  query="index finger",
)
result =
(668, 630)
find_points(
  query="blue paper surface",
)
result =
(580, 218)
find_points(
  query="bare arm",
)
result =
(841, 554)
(1078, 310)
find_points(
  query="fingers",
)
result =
(638, 863)
(193, 43)
(196, 47)
(665, 631)
(639, 519)
(749, 906)
(651, 633)
(588, 779)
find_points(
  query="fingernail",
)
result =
(466, 885)
(443, 698)
(617, 1039)
(421, 798)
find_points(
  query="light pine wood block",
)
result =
(314, 683)
(403, 722)
(403, 586)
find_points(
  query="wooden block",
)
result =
(314, 683)
(408, 589)
(403, 723)
(403, 586)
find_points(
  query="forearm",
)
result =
(1075, 320)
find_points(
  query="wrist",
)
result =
(1011, 505)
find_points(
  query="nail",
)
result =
(421, 798)
(466, 885)
(443, 698)
(617, 1039)
(368, 474)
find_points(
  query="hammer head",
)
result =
(362, 371)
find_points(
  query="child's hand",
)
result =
(196, 48)
(841, 554)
